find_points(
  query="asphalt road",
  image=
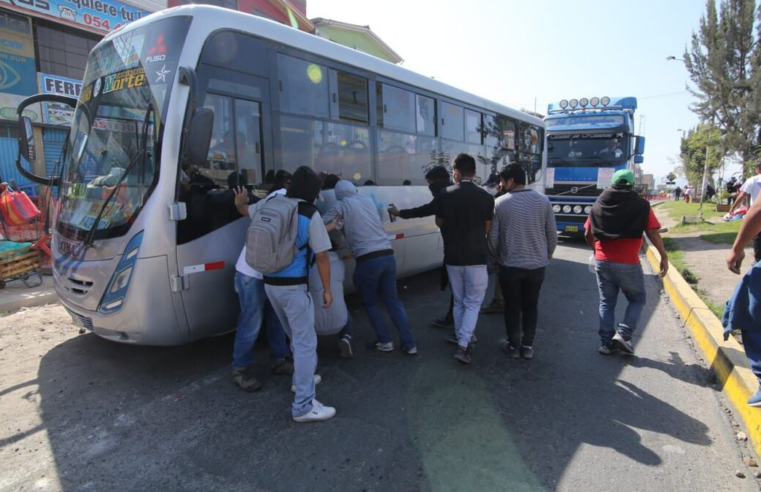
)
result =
(81, 413)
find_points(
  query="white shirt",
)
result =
(242, 265)
(752, 186)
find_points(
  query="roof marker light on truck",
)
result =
(583, 102)
(605, 101)
(563, 104)
(574, 103)
(595, 101)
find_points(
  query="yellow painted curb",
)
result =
(725, 358)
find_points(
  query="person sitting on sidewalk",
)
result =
(375, 272)
(438, 178)
(743, 310)
(614, 228)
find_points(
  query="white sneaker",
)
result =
(319, 412)
(317, 380)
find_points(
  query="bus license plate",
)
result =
(570, 228)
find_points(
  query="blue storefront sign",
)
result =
(100, 16)
(56, 113)
(17, 67)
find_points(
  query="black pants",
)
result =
(757, 247)
(520, 289)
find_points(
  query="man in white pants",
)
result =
(464, 213)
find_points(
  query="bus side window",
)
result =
(530, 150)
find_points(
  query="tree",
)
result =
(724, 64)
(693, 152)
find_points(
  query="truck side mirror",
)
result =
(639, 146)
(638, 159)
(199, 137)
(26, 144)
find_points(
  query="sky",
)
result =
(520, 53)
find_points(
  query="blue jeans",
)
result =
(612, 278)
(375, 280)
(252, 299)
(752, 346)
(348, 330)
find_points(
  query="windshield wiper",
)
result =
(139, 157)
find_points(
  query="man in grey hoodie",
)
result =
(375, 273)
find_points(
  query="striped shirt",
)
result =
(523, 232)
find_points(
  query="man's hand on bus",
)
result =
(241, 200)
(393, 210)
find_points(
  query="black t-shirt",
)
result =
(465, 208)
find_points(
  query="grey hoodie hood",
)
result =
(362, 227)
(345, 189)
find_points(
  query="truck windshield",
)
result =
(587, 150)
(125, 76)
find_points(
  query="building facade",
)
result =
(44, 46)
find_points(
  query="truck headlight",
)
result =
(577, 209)
(556, 209)
(588, 209)
(567, 209)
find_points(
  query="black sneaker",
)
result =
(527, 352)
(283, 366)
(623, 344)
(512, 352)
(443, 322)
(462, 356)
(344, 349)
(245, 381)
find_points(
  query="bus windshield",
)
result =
(587, 150)
(116, 129)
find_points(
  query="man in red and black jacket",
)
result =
(438, 178)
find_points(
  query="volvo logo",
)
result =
(575, 190)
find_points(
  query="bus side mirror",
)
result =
(26, 144)
(639, 146)
(638, 159)
(199, 137)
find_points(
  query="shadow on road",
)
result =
(130, 417)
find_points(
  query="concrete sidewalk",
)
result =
(16, 295)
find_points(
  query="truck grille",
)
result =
(574, 190)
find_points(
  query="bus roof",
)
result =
(216, 18)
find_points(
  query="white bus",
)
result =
(181, 105)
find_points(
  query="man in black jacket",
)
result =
(438, 178)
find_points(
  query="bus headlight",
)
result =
(577, 209)
(556, 209)
(588, 209)
(121, 280)
(116, 291)
(567, 209)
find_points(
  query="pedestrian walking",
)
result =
(750, 189)
(286, 288)
(743, 310)
(523, 238)
(687, 194)
(375, 271)
(464, 216)
(614, 228)
(438, 178)
(677, 193)
(497, 305)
